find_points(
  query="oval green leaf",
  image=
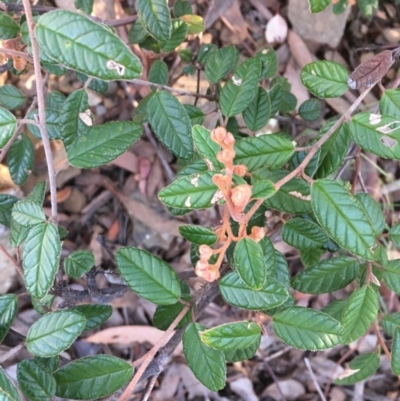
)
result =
(395, 362)
(150, 277)
(54, 332)
(28, 213)
(361, 367)
(340, 214)
(8, 311)
(11, 97)
(257, 114)
(20, 159)
(95, 314)
(231, 336)
(306, 328)
(155, 18)
(198, 235)
(8, 392)
(207, 364)
(92, 377)
(40, 258)
(103, 143)
(171, 124)
(78, 263)
(81, 44)
(325, 79)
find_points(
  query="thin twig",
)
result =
(274, 378)
(151, 354)
(13, 261)
(381, 341)
(169, 89)
(314, 379)
(357, 165)
(12, 351)
(300, 168)
(149, 388)
(42, 111)
(15, 53)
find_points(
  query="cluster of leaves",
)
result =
(321, 214)
(367, 7)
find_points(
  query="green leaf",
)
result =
(340, 7)
(195, 23)
(206, 147)
(373, 211)
(390, 103)
(269, 62)
(54, 332)
(340, 214)
(310, 256)
(20, 159)
(377, 134)
(28, 213)
(250, 264)
(207, 364)
(306, 328)
(327, 276)
(8, 124)
(258, 112)
(220, 63)
(238, 355)
(178, 35)
(52, 124)
(359, 313)
(171, 124)
(158, 73)
(325, 79)
(394, 235)
(6, 204)
(198, 235)
(205, 53)
(276, 97)
(40, 258)
(150, 277)
(196, 191)
(238, 93)
(263, 189)
(368, 7)
(84, 5)
(195, 114)
(8, 311)
(50, 364)
(272, 150)
(231, 336)
(182, 7)
(166, 314)
(303, 234)
(390, 323)
(9, 29)
(288, 102)
(54, 68)
(103, 143)
(92, 377)
(38, 192)
(18, 233)
(78, 263)
(391, 275)
(81, 44)
(333, 150)
(277, 266)
(43, 305)
(70, 123)
(395, 362)
(137, 34)
(36, 383)
(316, 6)
(11, 97)
(55, 100)
(140, 113)
(310, 110)
(95, 314)
(335, 309)
(293, 197)
(361, 367)
(8, 392)
(237, 293)
(155, 18)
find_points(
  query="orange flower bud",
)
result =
(241, 196)
(228, 141)
(257, 233)
(205, 252)
(210, 273)
(218, 134)
(226, 156)
(219, 180)
(240, 170)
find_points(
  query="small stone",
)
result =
(337, 394)
(392, 35)
(291, 390)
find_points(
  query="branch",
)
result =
(42, 111)
(13, 261)
(15, 53)
(169, 89)
(314, 149)
(12, 351)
